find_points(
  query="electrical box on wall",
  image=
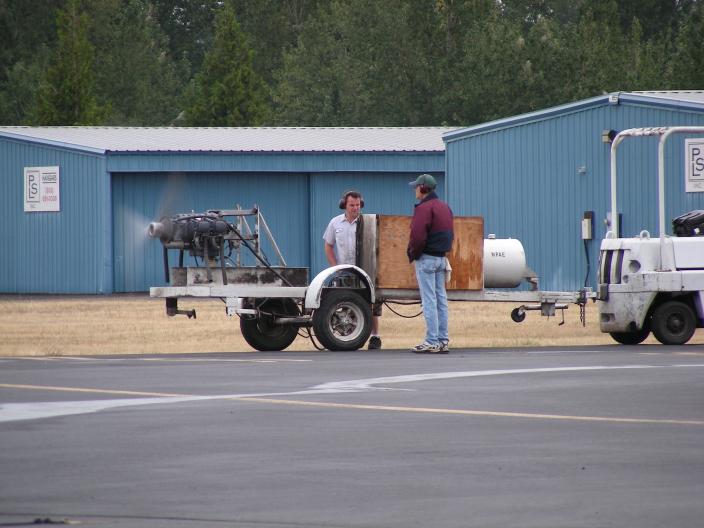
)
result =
(588, 225)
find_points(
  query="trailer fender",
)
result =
(315, 290)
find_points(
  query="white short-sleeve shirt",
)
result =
(342, 236)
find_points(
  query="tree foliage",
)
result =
(334, 62)
(67, 95)
(134, 75)
(272, 26)
(688, 59)
(27, 35)
(188, 26)
(227, 91)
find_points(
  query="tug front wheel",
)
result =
(674, 323)
(343, 321)
(631, 338)
(262, 333)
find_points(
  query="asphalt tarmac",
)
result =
(552, 437)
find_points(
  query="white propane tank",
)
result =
(504, 262)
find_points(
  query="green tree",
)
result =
(24, 28)
(548, 64)
(645, 61)
(67, 93)
(515, 64)
(531, 12)
(688, 60)
(18, 92)
(611, 58)
(227, 91)
(308, 85)
(135, 75)
(188, 25)
(656, 17)
(491, 72)
(27, 32)
(272, 26)
(365, 62)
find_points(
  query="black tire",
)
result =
(674, 323)
(343, 321)
(260, 331)
(631, 338)
(518, 315)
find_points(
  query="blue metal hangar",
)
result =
(536, 176)
(76, 201)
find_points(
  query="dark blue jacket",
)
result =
(431, 228)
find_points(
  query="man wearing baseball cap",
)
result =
(431, 239)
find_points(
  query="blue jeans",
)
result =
(430, 272)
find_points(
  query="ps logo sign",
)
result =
(694, 165)
(41, 189)
(31, 186)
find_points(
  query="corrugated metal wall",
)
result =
(98, 243)
(55, 252)
(296, 206)
(384, 193)
(138, 198)
(535, 180)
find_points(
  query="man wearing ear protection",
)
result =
(341, 246)
(431, 239)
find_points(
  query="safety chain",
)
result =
(582, 301)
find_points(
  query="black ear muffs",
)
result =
(343, 200)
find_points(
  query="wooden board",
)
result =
(394, 271)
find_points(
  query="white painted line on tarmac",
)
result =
(31, 411)
(367, 384)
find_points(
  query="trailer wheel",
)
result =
(674, 323)
(260, 331)
(518, 315)
(631, 338)
(343, 321)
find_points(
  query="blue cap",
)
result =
(424, 179)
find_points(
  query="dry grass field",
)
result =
(136, 324)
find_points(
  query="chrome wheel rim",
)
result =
(346, 322)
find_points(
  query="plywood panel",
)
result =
(392, 267)
(394, 270)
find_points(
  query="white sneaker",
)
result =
(427, 348)
(445, 346)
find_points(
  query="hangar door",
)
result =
(139, 198)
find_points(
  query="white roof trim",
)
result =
(246, 139)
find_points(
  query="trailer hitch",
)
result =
(547, 309)
(172, 309)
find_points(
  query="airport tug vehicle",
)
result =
(648, 284)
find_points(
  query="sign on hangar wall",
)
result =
(41, 189)
(694, 165)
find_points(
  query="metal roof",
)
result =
(691, 100)
(245, 139)
(694, 96)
